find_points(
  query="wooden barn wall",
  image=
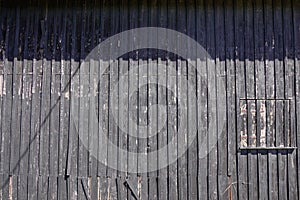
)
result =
(255, 46)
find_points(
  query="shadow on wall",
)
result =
(237, 30)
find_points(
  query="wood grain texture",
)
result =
(253, 65)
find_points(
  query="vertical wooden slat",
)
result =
(232, 133)
(83, 96)
(54, 102)
(212, 112)
(152, 104)
(260, 94)
(202, 102)
(74, 81)
(296, 44)
(36, 103)
(270, 94)
(250, 93)
(192, 103)
(26, 102)
(240, 82)
(289, 110)
(279, 93)
(64, 98)
(16, 100)
(45, 101)
(221, 91)
(172, 110)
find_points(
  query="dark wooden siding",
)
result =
(255, 46)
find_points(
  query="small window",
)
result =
(266, 124)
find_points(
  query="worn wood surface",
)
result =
(254, 49)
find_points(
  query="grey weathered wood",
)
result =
(290, 114)
(63, 187)
(232, 108)
(72, 152)
(64, 100)
(40, 47)
(192, 105)
(296, 44)
(33, 186)
(26, 102)
(240, 82)
(83, 99)
(202, 103)
(45, 101)
(279, 93)
(211, 103)
(43, 184)
(21, 187)
(260, 94)
(222, 135)
(16, 102)
(152, 104)
(35, 105)
(270, 93)
(250, 93)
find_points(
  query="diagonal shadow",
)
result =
(38, 131)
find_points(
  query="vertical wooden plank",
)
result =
(103, 188)
(13, 188)
(250, 93)
(232, 133)
(73, 192)
(192, 103)
(239, 18)
(260, 94)
(45, 101)
(162, 126)
(113, 119)
(102, 100)
(270, 94)
(35, 125)
(16, 102)
(32, 187)
(279, 94)
(296, 44)
(123, 103)
(64, 98)
(143, 125)
(26, 101)
(212, 112)
(143, 108)
(74, 81)
(172, 99)
(103, 117)
(7, 101)
(182, 104)
(114, 102)
(83, 97)
(153, 107)
(133, 99)
(94, 64)
(182, 136)
(43, 185)
(290, 112)
(202, 100)
(123, 114)
(22, 187)
(63, 187)
(222, 155)
(54, 102)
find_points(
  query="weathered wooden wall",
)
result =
(255, 46)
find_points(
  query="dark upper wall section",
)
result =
(226, 29)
